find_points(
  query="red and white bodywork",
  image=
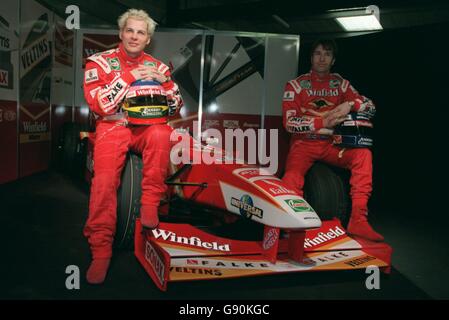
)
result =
(294, 238)
(182, 252)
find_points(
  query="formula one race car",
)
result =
(207, 202)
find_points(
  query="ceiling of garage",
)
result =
(308, 18)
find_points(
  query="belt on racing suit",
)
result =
(119, 118)
(114, 117)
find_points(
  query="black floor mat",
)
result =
(42, 217)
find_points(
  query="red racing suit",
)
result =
(108, 77)
(306, 99)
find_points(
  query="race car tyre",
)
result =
(325, 191)
(128, 202)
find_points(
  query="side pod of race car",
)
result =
(294, 239)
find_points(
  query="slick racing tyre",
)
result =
(128, 202)
(325, 191)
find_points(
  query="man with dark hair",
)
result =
(313, 105)
(327, 44)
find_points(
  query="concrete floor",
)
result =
(43, 215)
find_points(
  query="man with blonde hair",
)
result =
(108, 78)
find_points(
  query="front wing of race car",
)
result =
(181, 252)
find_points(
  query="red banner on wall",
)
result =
(8, 141)
(34, 138)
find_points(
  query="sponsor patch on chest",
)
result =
(149, 63)
(334, 83)
(305, 84)
(322, 93)
(114, 63)
(91, 76)
(289, 96)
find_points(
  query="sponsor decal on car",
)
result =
(324, 237)
(251, 173)
(299, 205)
(327, 258)
(270, 238)
(246, 206)
(227, 264)
(155, 261)
(201, 271)
(360, 261)
(274, 187)
(192, 241)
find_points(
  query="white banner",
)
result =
(9, 41)
(35, 55)
(63, 72)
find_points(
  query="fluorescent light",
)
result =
(213, 107)
(360, 23)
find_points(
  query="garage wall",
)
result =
(36, 37)
(27, 101)
(237, 90)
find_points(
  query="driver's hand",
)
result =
(148, 73)
(343, 109)
(337, 115)
(332, 119)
